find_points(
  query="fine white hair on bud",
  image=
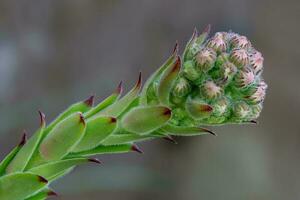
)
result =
(239, 57)
(205, 59)
(241, 110)
(181, 88)
(210, 90)
(244, 78)
(239, 41)
(256, 62)
(218, 43)
(258, 93)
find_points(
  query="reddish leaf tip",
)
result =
(170, 139)
(135, 148)
(206, 108)
(176, 48)
(253, 121)
(207, 29)
(177, 64)
(52, 193)
(90, 100)
(113, 120)
(94, 160)
(82, 119)
(42, 118)
(167, 112)
(208, 131)
(42, 179)
(120, 88)
(139, 82)
(23, 139)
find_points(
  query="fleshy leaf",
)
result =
(142, 120)
(19, 163)
(19, 186)
(189, 44)
(101, 149)
(157, 74)
(167, 81)
(120, 106)
(52, 169)
(97, 129)
(105, 103)
(185, 131)
(63, 138)
(126, 138)
(7, 160)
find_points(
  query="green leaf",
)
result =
(61, 174)
(142, 120)
(19, 163)
(97, 129)
(101, 149)
(105, 103)
(52, 169)
(63, 138)
(7, 160)
(185, 131)
(82, 106)
(126, 138)
(156, 75)
(167, 81)
(44, 194)
(120, 106)
(19, 186)
(189, 44)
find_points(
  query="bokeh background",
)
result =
(56, 52)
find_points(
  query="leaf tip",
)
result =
(81, 119)
(90, 101)
(253, 121)
(52, 193)
(176, 48)
(167, 112)
(209, 131)
(42, 179)
(139, 82)
(112, 120)
(170, 139)
(207, 29)
(94, 160)
(42, 118)
(135, 148)
(23, 139)
(119, 89)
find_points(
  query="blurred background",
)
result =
(56, 52)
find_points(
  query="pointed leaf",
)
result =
(185, 131)
(63, 138)
(82, 106)
(167, 81)
(52, 169)
(105, 103)
(44, 194)
(7, 160)
(101, 149)
(97, 129)
(23, 157)
(198, 109)
(189, 44)
(19, 186)
(120, 106)
(142, 120)
(157, 74)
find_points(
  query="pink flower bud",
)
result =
(210, 90)
(256, 61)
(205, 59)
(238, 41)
(258, 93)
(244, 78)
(218, 43)
(239, 57)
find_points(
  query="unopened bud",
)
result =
(220, 106)
(241, 110)
(205, 59)
(239, 57)
(227, 70)
(255, 111)
(181, 88)
(256, 62)
(189, 71)
(244, 78)
(258, 93)
(210, 90)
(238, 41)
(218, 43)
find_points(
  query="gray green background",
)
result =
(56, 52)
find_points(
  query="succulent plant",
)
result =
(217, 81)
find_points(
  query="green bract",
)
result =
(216, 81)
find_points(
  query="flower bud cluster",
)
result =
(224, 73)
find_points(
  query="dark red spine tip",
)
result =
(120, 88)
(42, 118)
(177, 64)
(94, 160)
(42, 179)
(176, 48)
(170, 139)
(253, 121)
(135, 148)
(90, 101)
(139, 82)
(207, 29)
(206, 108)
(82, 120)
(209, 131)
(167, 112)
(113, 120)
(23, 139)
(52, 193)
